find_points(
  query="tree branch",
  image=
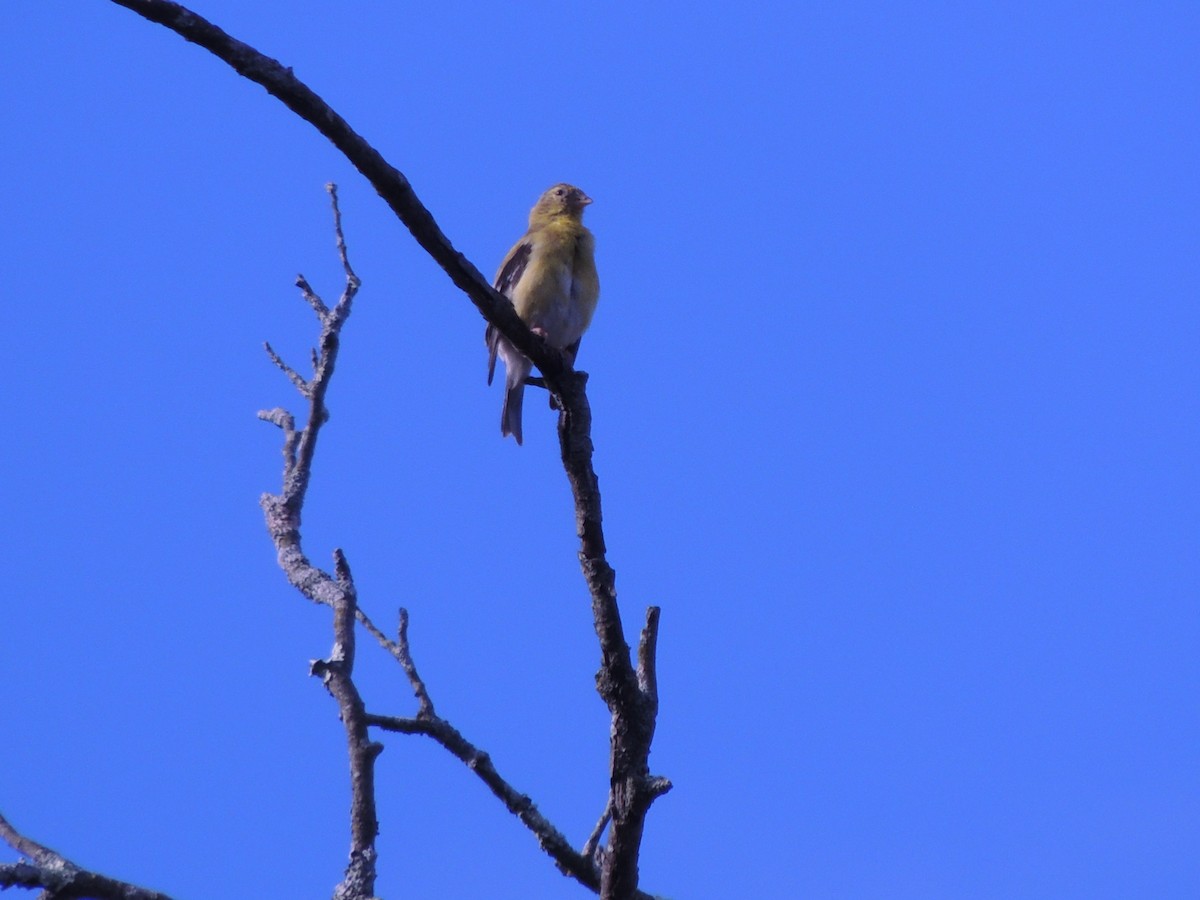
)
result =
(574, 864)
(388, 182)
(631, 696)
(282, 513)
(625, 691)
(336, 673)
(60, 878)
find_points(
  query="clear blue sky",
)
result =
(895, 383)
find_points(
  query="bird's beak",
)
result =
(584, 199)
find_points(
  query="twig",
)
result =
(592, 845)
(60, 878)
(306, 291)
(293, 376)
(282, 512)
(404, 655)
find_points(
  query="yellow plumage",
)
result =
(550, 276)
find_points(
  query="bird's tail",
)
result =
(491, 337)
(514, 399)
(516, 370)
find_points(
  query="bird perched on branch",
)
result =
(550, 277)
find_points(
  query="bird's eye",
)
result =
(560, 192)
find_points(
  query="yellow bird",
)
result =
(550, 277)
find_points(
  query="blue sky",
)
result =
(894, 379)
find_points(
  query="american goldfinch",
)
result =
(550, 277)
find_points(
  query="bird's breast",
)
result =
(556, 295)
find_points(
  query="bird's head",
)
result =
(560, 200)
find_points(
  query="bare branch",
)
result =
(58, 876)
(659, 785)
(293, 376)
(633, 712)
(308, 293)
(647, 669)
(387, 181)
(632, 709)
(579, 866)
(351, 278)
(592, 845)
(337, 591)
(283, 510)
(336, 674)
(410, 669)
(551, 840)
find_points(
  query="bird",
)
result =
(550, 277)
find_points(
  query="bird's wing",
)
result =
(510, 273)
(514, 266)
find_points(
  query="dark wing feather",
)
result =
(514, 267)
(510, 273)
(492, 338)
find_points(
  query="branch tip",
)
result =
(341, 569)
(657, 786)
(293, 376)
(647, 667)
(592, 845)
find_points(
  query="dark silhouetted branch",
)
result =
(58, 877)
(570, 862)
(388, 182)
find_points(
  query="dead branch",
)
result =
(60, 878)
(282, 512)
(628, 692)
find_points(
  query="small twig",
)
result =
(399, 649)
(283, 510)
(372, 629)
(351, 278)
(283, 420)
(425, 705)
(309, 294)
(293, 376)
(400, 652)
(592, 847)
(647, 666)
(58, 877)
(657, 785)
